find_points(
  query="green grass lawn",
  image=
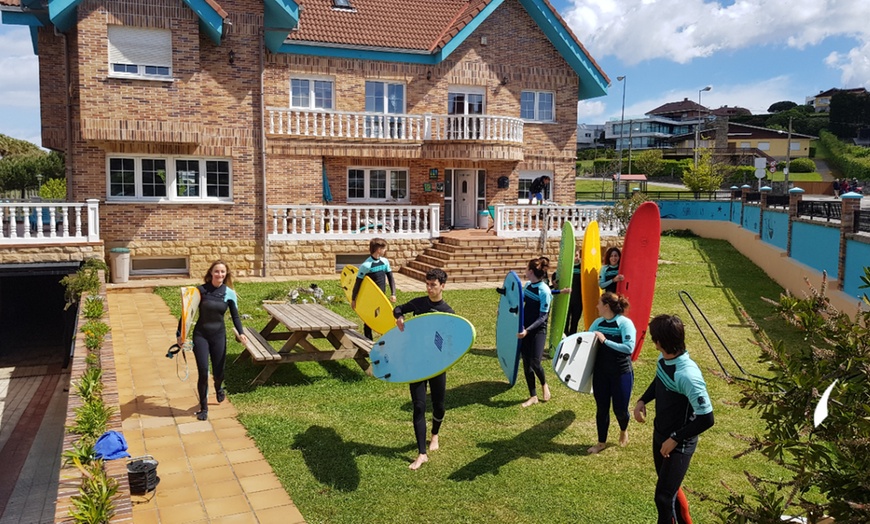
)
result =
(591, 185)
(794, 177)
(341, 442)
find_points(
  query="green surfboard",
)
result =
(564, 275)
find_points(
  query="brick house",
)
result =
(220, 128)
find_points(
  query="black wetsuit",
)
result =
(536, 310)
(575, 306)
(605, 279)
(210, 335)
(377, 269)
(612, 374)
(437, 384)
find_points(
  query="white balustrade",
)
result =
(342, 222)
(399, 127)
(530, 220)
(48, 222)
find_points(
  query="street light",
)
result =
(39, 181)
(621, 126)
(787, 155)
(698, 126)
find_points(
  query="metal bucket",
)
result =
(142, 474)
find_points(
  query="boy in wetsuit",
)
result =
(434, 301)
(683, 412)
(377, 267)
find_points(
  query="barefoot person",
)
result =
(537, 298)
(210, 332)
(434, 301)
(377, 267)
(683, 412)
(612, 376)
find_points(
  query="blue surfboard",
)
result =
(508, 323)
(429, 345)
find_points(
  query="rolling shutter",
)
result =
(140, 46)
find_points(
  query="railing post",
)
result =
(93, 219)
(851, 202)
(795, 195)
(744, 192)
(762, 205)
(434, 220)
(499, 219)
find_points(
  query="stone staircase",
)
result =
(474, 256)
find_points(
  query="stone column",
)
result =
(851, 202)
(795, 195)
(765, 192)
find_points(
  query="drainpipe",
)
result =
(68, 157)
(265, 207)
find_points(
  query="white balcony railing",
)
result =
(530, 220)
(342, 222)
(401, 127)
(49, 222)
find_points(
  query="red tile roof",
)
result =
(683, 106)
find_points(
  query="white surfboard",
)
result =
(575, 359)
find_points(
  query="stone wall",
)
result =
(43, 253)
(312, 257)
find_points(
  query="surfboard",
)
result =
(372, 305)
(590, 267)
(564, 274)
(508, 323)
(189, 308)
(429, 345)
(575, 359)
(639, 264)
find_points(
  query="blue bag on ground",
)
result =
(111, 445)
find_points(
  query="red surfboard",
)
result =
(639, 263)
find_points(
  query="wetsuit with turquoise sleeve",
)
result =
(377, 269)
(613, 375)
(683, 411)
(575, 306)
(437, 384)
(536, 310)
(605, 279)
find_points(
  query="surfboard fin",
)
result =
(514, 309)
(500, 290)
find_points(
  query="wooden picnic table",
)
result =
(297, 325)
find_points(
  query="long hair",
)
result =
(229, 278)
(539, 266)
(617, 303)
(610, 250)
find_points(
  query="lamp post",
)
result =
(621, 126)
(787, 155)
(698, 126)
(39, 181)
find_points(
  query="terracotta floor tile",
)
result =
(244, 455)
(225, 423)
(176, 496)
(157, 422)
(149, 516)
(233, 444)
(251, 469)
(175, 480)
(208, 475)
(197, 426)
(196, 439)
(172, 466)
(269, 498)
(168, 441)
(228, 433)
(283, 514)
(200, 449)
(151, 433)
(216, 490)
(208, 461)
(226, 506)
(241, 518)
(182, 514)
(255, 484)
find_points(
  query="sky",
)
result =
(752, 52)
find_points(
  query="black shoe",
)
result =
(202, 415)
(221, 395)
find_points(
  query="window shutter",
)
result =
(140, 46)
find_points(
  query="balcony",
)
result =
(475, 137)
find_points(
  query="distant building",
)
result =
(655, 131)
(743, 142)
(589, 135)
(822, 101)
(730, 111)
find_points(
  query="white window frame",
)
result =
(382, 126)
(528, 177)
(745, 145)
(537, 118)
(144, 52)
(367, 189)
(311, 92)
(171, 180)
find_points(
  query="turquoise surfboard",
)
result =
(508, 323)
(429, 345)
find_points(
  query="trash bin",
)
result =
(119, 259)
(483, 219)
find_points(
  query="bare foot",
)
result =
(623, 438)
(597, 448)
(532, 401)
(421, 459)
(546, 396)
(433, 445)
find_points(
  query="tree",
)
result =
(650, 162)
(707, 175)
(622, 210)
(783, 105)
(23, 161)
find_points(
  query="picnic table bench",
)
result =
(298, 325)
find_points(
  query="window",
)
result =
(745, 145)
(169, 179)
(764, 146)
(525, 183)
(387, 99)
(794, 146)
(538, 106)
(462, 103)
(377, 185)
(138, 52)
(311, 93)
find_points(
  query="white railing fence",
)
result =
(403, 127)
(49, 222)
(530, 220)
(338, 222)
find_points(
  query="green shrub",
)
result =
(95, 502)
(91, 418)
(53, 189)
(276, 294)
(802, 165)
(95, 331)
(93, 307)
(82, 450)
(90, 385)
(85, 280)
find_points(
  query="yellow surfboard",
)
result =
(189, 308)
(372, 305)
(590, 263)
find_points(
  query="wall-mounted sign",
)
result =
(439, 187)
(433, 173)
(427, 187)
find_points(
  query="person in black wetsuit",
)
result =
(537, 298)
(575, 306)
(377, 267)
(434, 301)
(683, 412)
(609, 275)
(536, 190)
(210, 332)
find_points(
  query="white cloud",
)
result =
(590, 110)
(19, 70)
(681, 30)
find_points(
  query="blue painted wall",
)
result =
(751, 218)
(857, 258)
(817, 246)
(694, 209)
(736, 208)
(774, 228)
